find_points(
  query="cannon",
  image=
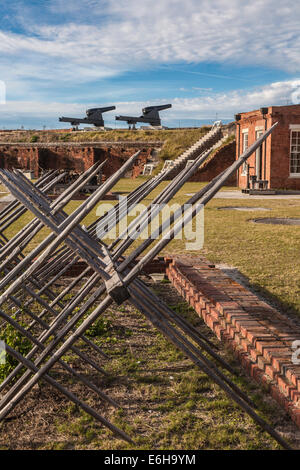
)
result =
(150, 116)
(94, 116)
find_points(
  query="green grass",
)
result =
(17, 341)
(100, 136)
(174, 142)
(266, 254)
(166, 403)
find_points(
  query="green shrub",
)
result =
(100, 328)
(17, 341)
(65, 137)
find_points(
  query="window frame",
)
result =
(294, 129)
(245, 132)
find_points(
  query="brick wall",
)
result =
(14, 157)
(140, 162)
(72, 158)
(276, 150)
(280, 148)
(76, 158)
(222, 159)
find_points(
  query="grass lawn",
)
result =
(266, 254)
(166, 403)
(174, 142)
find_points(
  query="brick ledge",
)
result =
(259, 335)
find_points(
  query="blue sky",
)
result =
(208, 58)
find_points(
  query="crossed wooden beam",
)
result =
(56, 322)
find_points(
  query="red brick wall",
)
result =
(73, 158)
(222, 159)
(277, 164)
(140, 162)
(251, 121)
(114, 158)
(22, 158)
(280, 155)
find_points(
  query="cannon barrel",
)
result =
(99, 110)
(150, 115)
(156, 108)
(71, 120)
(127, 118)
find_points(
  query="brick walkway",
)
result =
(260, 336)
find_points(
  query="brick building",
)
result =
(276, 164)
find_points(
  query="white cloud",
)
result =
(201, 88)
(228, 104)
(107, 37)
(204, 107)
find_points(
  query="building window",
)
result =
(245, 141)
(295, 153)
(244, 147)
